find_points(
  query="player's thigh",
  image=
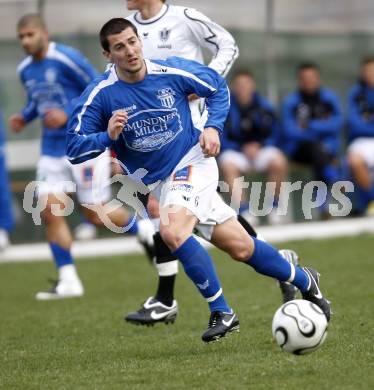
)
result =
(53, 176)
(363, 147)
(266, 157)
(92, 179)
(234, 160)
(231, 237)
(192, 187)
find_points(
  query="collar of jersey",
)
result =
(140, 20)
(148, 65)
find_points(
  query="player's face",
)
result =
(133, 5)
(125, 51)
(368, 73)
(309, 80)
(34, 40)
(243, 87)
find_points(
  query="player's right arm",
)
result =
(291, 127)
(214, 38)
(18, 121)
(360, 125)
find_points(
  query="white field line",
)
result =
(129, 245)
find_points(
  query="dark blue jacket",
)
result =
(254, 123)
(360, 112)
(6, 215)
(312, 118)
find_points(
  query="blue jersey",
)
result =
(361, 111)
(54, 82)
(315, 117)
(255, 122)
(159, 131)
(6, 214)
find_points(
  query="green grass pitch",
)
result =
(85, 344)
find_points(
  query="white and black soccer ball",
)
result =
(299, 327)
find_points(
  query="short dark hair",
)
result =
(243, 72)
(34, 19)
(112, 27)
(305, 65)
(367, 60)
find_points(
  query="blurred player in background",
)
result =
(53, 76)
(167, 30)
(6, 215)
(250, 144)
(312, 125)
(360, 152)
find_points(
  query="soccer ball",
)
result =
(299, 327)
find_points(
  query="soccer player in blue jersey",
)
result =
(140, 108)
(6, 215)
(53, 76)
(174, 30)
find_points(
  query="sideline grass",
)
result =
(85, 344)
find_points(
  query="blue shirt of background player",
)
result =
(316, 117)
(54, 82)
(159, 132)
(255, 122)
(6, 214)
(360, 111)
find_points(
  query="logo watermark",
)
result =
(133, 192)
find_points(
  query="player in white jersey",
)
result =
(169, 30)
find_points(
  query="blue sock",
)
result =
(61, 255)
(243, 207)
(199, 267)
(267, 261)
(133, 226)
(330, 174)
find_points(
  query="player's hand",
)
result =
(55, 118)
(210, 142)
(116, 124)
(16, 123)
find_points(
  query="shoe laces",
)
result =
(214, 317)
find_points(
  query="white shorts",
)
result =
(58, 175)
(260, 164)
(193, 185)
(364, 147)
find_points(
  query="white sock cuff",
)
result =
(68, 272)
(293, 271)
(215, 296)
(167, 269)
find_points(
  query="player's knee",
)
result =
(241, 254)
(172, 237)
(92, 217)
(242, 249)
(48, 216)
(355, 160)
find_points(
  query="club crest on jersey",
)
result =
(50, 75)
(166, 96)
(164, 34)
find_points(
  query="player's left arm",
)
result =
(213, 37)
(333, 123)
(87, 135)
